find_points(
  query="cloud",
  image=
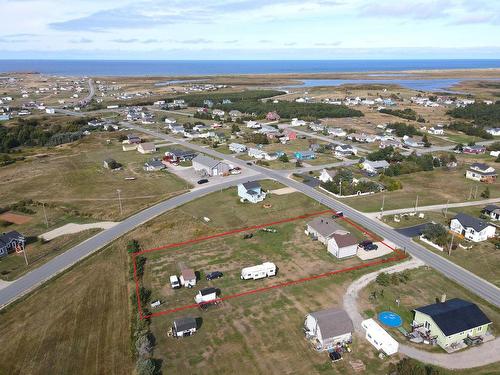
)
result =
(231, 41)
(475, 18)
(418, 10)
(328, 44)
(81, 41)
(290, 44)
(195, 41)
(125, 41)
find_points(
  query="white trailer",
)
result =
(206, 295)
(260, 271)
(379, 338)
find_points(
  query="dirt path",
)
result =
(72, 228)
(485, 354)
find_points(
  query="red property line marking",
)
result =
(400, 255)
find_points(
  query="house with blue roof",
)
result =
(251, 192)
(305, 155)
(451, 322)
(11, 241)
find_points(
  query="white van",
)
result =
(260, 271)
(174, 282)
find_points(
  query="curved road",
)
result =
(478, 356)
(467, 279)
(38, 276)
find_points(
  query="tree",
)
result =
(298, 164)
(486, 193)
(145, 366)
(436, 233)
(284, 158)
(235, 128)
(133, 246)
(144, 345)
(383, 279)
(426, 141)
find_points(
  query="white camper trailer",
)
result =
(260, 271)
(379, 338)
(206, 295)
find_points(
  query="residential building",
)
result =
(218, 112)
(374, 166)
(452, 321)
(237, 147)
(256, 153)
(251, 191)
(316, 127)
(342, 245)
(297, 122)
(177, 156)
(322, 228)
(345, 150)
(132, 138)
(492, 211)
(272, 116)
(11, 241)
(184, 327)
(154, 165)
(253, 124)
(328, 328)
(336, 132)
(110, 164)
(494, 131)
(327, 175)
(472, 228)
(436, 131)
(412, 142)
(475, 149)
(129, 146)
(170, 121)
(304, 155)
(481, 172)
(146, 148)
(209, 166)
(235, 114)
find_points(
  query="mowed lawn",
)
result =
(73, 176)
(434, 187)
(78, 323)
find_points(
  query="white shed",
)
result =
(188, 278)
(379, 338)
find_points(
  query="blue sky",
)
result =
(249, 29)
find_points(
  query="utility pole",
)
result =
(475, 194)
(340, 187)
(446, 208)
(416, 204)
(451, 242)
(25, 255)
(45, 215)
(120, 201)
(382, 208)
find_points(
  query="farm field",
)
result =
(434, 187)
(423, 288)
(82, 315)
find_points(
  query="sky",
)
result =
(249, 29)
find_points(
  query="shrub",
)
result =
(383, 279)
(145, 366)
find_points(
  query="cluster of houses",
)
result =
(138, 114)
(134, 142)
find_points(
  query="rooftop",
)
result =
(333, 322)
(471, 222)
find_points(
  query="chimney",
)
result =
(443, 298)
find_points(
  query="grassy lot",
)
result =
(435, 187)
(424, 287)
(73, 176)
(482, 258)
(77, 323)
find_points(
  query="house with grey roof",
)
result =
(154, 165)
(374, 166)
(481, 172)
(342, 245)
(209, 166)
(11, 241)
(492, 211)
(328, 328)
(251, 191)
(472, 228)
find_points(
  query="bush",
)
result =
(407, 113)
(144, 345)
(383, 279)
(284, 158)
(145, 366)
(133, 247)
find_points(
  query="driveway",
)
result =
(413, 231)
(482, 355)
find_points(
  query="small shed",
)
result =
(188, 278)
(184, 327)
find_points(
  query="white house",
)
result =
(481, 172)
(492, 211)
(218, 112)
(170, 121)
(297, 122)
(251, 191)
(327, 175)
(374, 166)
(379, 338)
(256, 153)
(472, 228)
(210, 166)
(237, 147)
(342, 245)
(153, 165)
(146, 148)
(188, 278)
(253, 124)
(345, 150)
(411, 142)
(206, 295)
(494, 131)
(337, 132)
(328, 328)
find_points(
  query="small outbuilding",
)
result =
(328, 328)
(188, 278)
(184, 327)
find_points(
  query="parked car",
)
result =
(337, 214)
(214, 275)
(174, 282)
(365, 243)
(371, 247)
(249, 163)
(202, 181)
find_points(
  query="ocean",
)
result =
(213, 67)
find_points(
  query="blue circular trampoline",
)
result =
(390, 319)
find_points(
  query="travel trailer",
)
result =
(260, 271)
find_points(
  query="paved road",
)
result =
(482, 355)
(467, 279)
(438, 207)
(58, 264)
